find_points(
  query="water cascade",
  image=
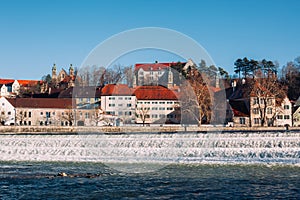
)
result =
(270, 147)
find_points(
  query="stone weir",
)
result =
(131, 129)
(182, 147)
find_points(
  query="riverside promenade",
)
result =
(134, 129)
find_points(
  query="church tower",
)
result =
(170, 78)
(54, 75)
(71, 70)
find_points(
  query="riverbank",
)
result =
(132, 129)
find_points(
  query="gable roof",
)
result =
(155, 93)
(240, 107)
(41, 103)
(116, 90)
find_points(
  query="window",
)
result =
(43, 113)
(25, 114)
(242, 120)
(256, 120)
(29, 123)
(255, 101)
(154, 116)
(111, 105)
(169, 108)
(162, 108)
(269, 110)
(154, 108)
(255, 111)
(29, 114)
(120, 105)
(128, 113)
(279, 117)
(286, 107)
(286, 117)
(170, 116)
(120, 98)
(9, 113)
(169, 102)
(120, 113)
(48, 114)
(161, 102)
(154, 102)
(129, 105)
(269, 101)
(87, 116)
(261, 101)
(162, 116)
(111, 98)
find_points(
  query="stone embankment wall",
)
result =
(129, 129)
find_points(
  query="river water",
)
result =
(151, 166)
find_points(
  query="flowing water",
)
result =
(151, 166)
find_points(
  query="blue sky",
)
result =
(35, 34)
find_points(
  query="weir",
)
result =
(262, 147)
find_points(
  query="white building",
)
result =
(156, 104)
(118, 100)
(7, 112)
(284, 113)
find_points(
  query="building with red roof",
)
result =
(156, 104)
(118, 100)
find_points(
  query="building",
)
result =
(164, 74)
(156, 104)
(284, 113)
(85, 97)
(258, 107)
(63, 79)
(12, 88)
(118, 100)
(296, 113)
(7, 112)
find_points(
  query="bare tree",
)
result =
(266, 92)
(142, 113)
(196, 101)
(21, 117)
(68, 116)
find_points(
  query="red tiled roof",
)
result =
(28, 82)
(41, 103)
(155, 93)
(6, 81)
(116, 89)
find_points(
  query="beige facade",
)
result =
(262, 108)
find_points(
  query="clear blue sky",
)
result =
(35, 34)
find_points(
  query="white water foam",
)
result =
(281, 147)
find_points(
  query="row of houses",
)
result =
(116, 104)
(153, 98)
